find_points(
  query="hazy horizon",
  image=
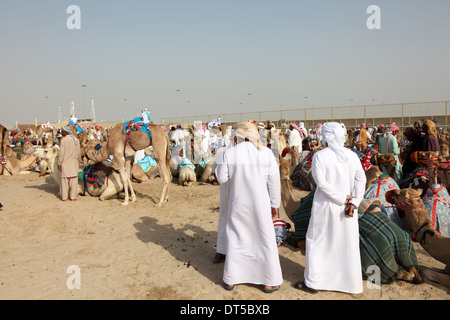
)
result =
(137, 54)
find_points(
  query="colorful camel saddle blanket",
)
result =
(281, 231)
(77, 127)
(437, 203)
(136, 125)
(204, 161)
(378, 189)
(147, 163)
(185, 162)
(96, 174)
(302, 177)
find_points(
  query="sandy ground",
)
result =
(140, 251)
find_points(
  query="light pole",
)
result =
(84, 107)
(178, 104)
(46, 105)
(249, 96)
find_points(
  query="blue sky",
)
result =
(215, 52)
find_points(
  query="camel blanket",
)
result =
(136, 125)
(384, 244)
(147, 163)
(437, 203)
(96, 174)
(378, 189)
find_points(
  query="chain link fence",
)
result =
(402, 114)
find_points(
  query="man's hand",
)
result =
(274, 212)
(348, 199)
(59, 167)
(349, 210)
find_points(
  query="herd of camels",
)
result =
(124, 146)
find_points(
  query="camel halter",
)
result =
(444, 165)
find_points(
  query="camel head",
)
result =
(444, 162)
(386, 160)
(410, 207)
(50, 154)
(95, 151)
(425, 158)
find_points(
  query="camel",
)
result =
(13, 166)
(137, 170)
(444, 165)
(290, 197)
(187, 177)
(41, 133)
(428, 160)
(206, 174)
(124, 146)
(372, 175)
(138, 175)
(4, 139)
(417, 218)
(388, 162)
(107, 191)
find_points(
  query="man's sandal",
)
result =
(302, 286)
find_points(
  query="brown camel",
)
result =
(13, 166)
(41, 133)
(124, 146)
(444, 166)
(138, 175)
(4, 139)
(290, 197)
(416, 218)
(137, 172)
(187, 177)
(206, 174)
(372, 175)
(428, 160)
(387, 160)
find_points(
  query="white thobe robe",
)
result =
(223, 209)
(333, 260)
(254, 187)
(294, 139)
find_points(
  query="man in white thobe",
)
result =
(253, 200)
(333, 260)
(221, 247)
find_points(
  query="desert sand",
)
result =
(139, 252)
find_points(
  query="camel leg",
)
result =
(165, 189)
(123, 178)
(128, 170)
(438, 277)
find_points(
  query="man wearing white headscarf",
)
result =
(333, 260)
(254, 196)
(69, 164)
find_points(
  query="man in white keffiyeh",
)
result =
(332, 242)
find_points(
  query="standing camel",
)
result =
(124, 146)
(4, 139)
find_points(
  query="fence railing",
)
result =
(400, 113)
